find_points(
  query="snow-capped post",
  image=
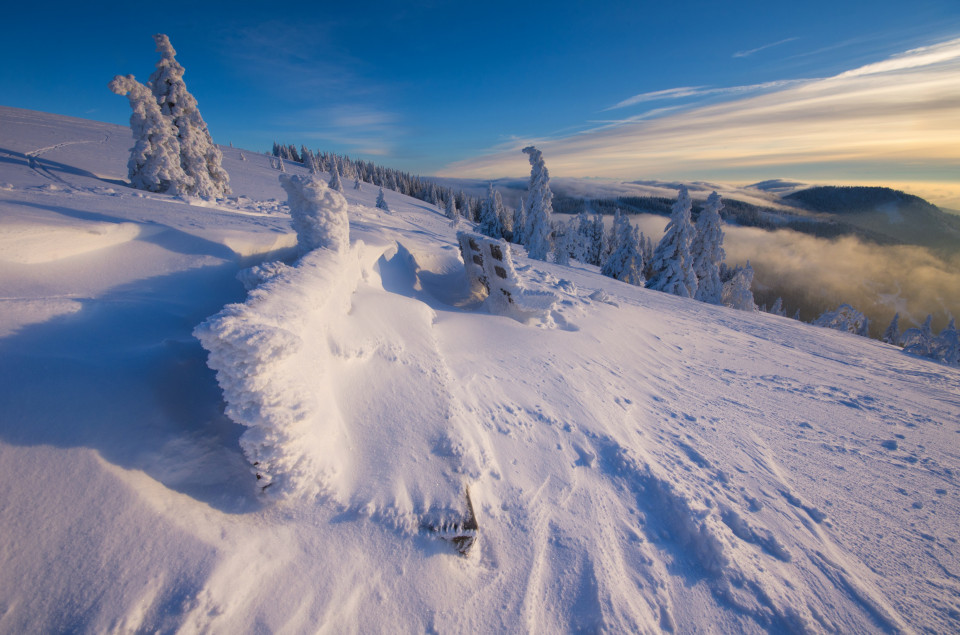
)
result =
(539, 208)
(199, 156)
(707, 252)
(154, 163)
(672, 264)
(318, 214)
(382, 202)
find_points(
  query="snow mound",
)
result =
(342, 386)
(33, 243)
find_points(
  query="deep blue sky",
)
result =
(420, 85)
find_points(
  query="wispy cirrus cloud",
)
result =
(894, 120)
(750, 52)
(704, 91)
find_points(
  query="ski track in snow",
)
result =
(639, 463)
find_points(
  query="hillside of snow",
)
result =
(635, 462)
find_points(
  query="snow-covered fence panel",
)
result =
(490, 269)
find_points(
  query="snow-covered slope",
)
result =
(636, 461)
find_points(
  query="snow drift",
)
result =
(636, 462)
(317, 363)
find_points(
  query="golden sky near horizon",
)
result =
(893, 123)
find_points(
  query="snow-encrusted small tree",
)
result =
(736, 291)
(451, 211)
(920, 341)
(356, 185)
(582, 228)
(777, 308)
(845, 318)
(540, 207)
(154, 163)
(335, 183)
(520, 223)
(506, 219)
(318, 214)
(199, 156)
(491, 209)
(947, 345)
(382, 202)
(892, 334)
(672, 264)
(626, 261)
(563, 242)
(707, 252)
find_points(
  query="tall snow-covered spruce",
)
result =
(707, 252)
(317, 212)
(538, 224)
(199, 156)
(200, 159)
(672, 264)
(154, 163)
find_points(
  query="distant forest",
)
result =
(734, 212)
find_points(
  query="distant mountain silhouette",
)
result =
(902, 217)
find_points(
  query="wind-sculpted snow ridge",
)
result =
(342, 388)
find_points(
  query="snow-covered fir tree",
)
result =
(776, 309)
(491, 209)
(539, 208)
(948, 345)
(625, 263)
(845, 318)
(335, 183)
(892, 334)
(382, 202)
(596, 241)
(563, 242)
(451, 210)
(154, 163)
(707, 252)
(520, 222)
(613, 237)
(920, 341)
(582, 230)
(200, 158)
(506, 219)
(737, 293)
(318, 214)
(356, 185)
(672, 264)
